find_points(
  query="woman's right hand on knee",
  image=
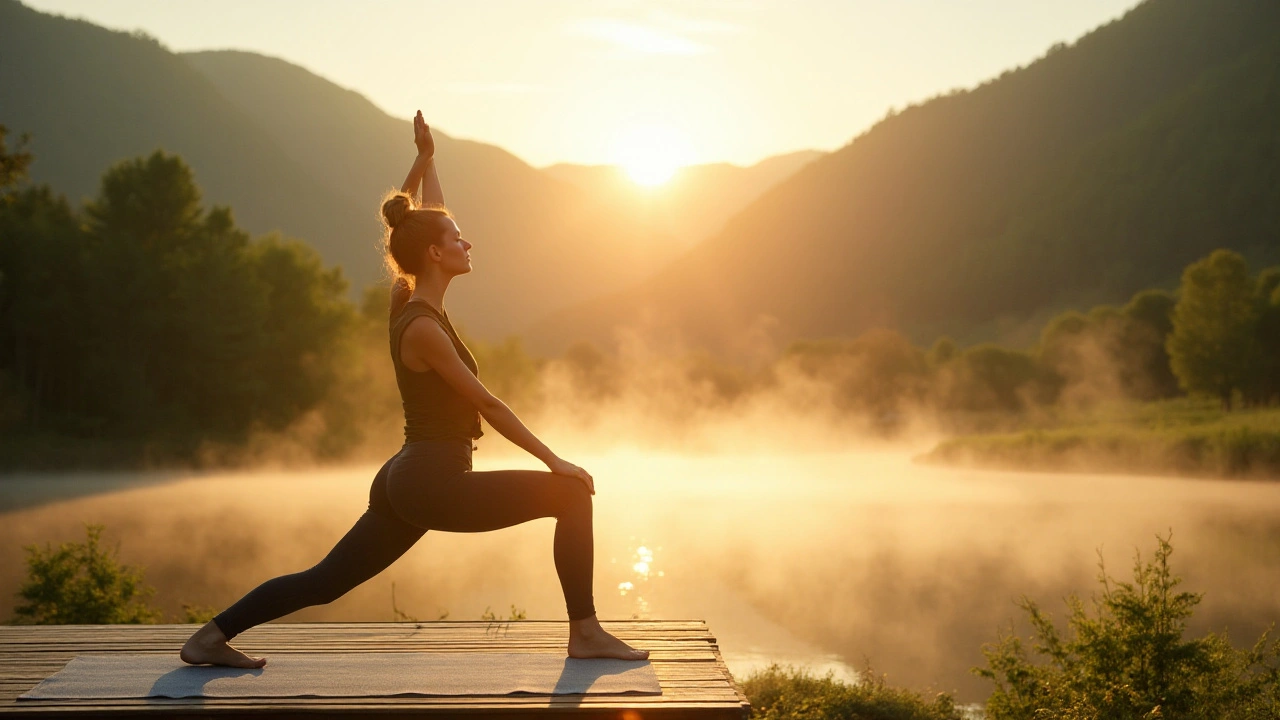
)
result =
(560, 466)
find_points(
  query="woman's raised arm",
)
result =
(432, 193)
(424, 167)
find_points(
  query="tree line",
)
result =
(145, 317)
(1217, 335)
(145, 320)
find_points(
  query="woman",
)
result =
(429, 484)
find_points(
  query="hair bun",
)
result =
(396, 208)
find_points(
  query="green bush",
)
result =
(82, 584)
(1128, 659)
(778, 693)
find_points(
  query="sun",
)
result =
(650, 154)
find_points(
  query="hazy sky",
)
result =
(597, 81)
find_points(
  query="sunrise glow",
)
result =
(650, 154)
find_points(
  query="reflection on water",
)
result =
(643, 572)
(822, 560)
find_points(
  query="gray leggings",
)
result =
(429, 485)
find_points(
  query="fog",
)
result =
(823, 558)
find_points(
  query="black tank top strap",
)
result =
(412, 310)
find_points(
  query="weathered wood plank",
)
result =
(695, 681)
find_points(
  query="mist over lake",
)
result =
(814, 557)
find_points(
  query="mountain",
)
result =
(1102, 168)
(537, 244)
(290, 151)
(543, 239)
(91, 97)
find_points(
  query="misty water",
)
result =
(819, 559)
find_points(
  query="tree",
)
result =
(82, 584)
(41, 288)
(943, 351)
(13, 164)
(1129, 658)
(988, 377)
(1267, 296)
(1150, 315)
(307, 323)
(149, 320)
(1214, 345)
(879, 374)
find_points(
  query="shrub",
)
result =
(82, 584)
(1129, 659)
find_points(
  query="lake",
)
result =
(816, 558)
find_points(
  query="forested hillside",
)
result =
(1102, 168)
(291, 151)
(90, 97)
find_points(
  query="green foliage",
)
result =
(375, 303)
(516, 614)
(1266, 387)
(1150, 321)
(1109, 353)
(778, 693)
(13, 163)
(82, 584)
(508, 370)
(1128, 658)
(148, 320)
(943, 351)
(196, 614)
(1214, 347)
(989, 377)
(306, 327)
(879, 373)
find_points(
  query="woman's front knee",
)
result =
(576, 495)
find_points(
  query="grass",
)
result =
(1184, 436)
(778, 693)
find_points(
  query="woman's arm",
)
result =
(424, 167)
(424, 161)
(425, 339)
(416, 172)
(432, 193)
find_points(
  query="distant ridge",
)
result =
(694, 204)
(291, 151)
(1100, 169)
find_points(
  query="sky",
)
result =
(645, 84)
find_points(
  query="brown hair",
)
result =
(410, 229)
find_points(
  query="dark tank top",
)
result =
(433, 410)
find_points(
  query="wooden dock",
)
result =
(695, 681)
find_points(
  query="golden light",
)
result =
(650, 154)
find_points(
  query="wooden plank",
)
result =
(696, 682)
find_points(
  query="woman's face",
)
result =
(454, 252)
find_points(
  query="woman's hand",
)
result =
(563, 467)
(422, 136)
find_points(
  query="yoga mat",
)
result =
(373, 674)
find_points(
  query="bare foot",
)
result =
(208, 646)
(588, 640)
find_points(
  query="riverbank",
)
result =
(1175, 437)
